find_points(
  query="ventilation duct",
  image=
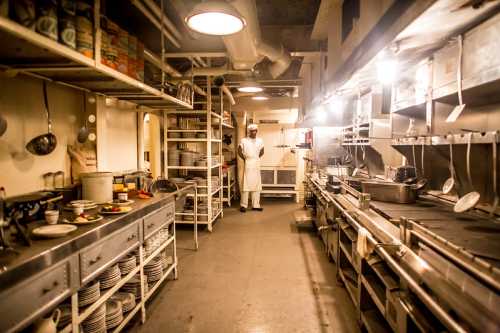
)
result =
(246, 48)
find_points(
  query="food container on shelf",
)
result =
(123, 51)
(389, 191)
(46, 18)
(84, 28)
(67, 23)
(97, 186)
(132, 56)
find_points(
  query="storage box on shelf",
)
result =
(93, 64)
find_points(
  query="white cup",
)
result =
(51, 216)
(123, 196)
(77, 209)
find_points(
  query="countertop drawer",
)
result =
(23, 303)
(97, 257)
(154, 221)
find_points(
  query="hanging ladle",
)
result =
(3, 125)
(83, 133)
(46, 143)
(495, 190)
(450, 182)
(457, 111)
(471, 199)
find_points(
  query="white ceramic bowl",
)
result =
(51, 216)
(122, 196)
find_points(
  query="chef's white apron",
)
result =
(251, 176)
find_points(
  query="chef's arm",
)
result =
(261, 152)
(240, 153)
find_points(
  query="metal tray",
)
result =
(389, 192)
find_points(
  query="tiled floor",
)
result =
(255, 273)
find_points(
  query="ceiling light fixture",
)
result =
(250, 87)
(216, 18)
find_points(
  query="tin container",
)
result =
(132, 56)
(84, 28)
(389, 191)
(123, 51)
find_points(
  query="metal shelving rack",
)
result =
(213, 110)
(229, 185)
(79, 315)
(27, 52)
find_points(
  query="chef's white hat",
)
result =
(253, 127)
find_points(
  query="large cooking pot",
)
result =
(97, 186)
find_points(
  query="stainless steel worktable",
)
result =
(44, 253)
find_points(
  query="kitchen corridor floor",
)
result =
(256, 272)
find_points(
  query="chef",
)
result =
(251, 150)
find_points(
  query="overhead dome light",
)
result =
(250, 87)
(217, 18)
(260, 97)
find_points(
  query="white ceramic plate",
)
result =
(123, 211)
(120, 204)
(467, 202)
(54, 231)
(84, 222)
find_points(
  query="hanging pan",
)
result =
(46, 143)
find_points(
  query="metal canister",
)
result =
(113, 31)
(140, 61)
(46, 18)
(24, 13)
(123, 51)
(84, 28)
(67, 23)
(132, 56)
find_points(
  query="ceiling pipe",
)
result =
(214, 71)
(246, 48)
(168, 24)
(152, 58)
(228, 93)
(139, 5)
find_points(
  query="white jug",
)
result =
(48, 325)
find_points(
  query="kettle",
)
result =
(48, 325)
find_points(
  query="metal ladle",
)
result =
(83, 133)
(450, 182)
(3, 125)
(495, 191)
(46, 143)
(471, 199)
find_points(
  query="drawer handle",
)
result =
(149, 226)
(94, 261)
(49, 289)
(131, 237)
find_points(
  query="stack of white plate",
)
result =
(96, 322)
(133, 286)
(110, 277)
(187, 158)
(114, 313)
(127, 264)
(127, 300)
(89, 294)
(154, 270)
(173, 157)
(65, 318)
(164, 260)
(87, 204)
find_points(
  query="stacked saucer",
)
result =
(114, 313)
(110, 277)
(133, 286)
(127, 300)
(164, 260)
(154, 269)
(89, 294)
(127, 264)
(96, 322)
(65, 318)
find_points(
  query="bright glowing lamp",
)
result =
(216, 18)
(250, 87)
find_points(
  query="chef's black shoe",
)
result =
(260, 209)
(243, 209)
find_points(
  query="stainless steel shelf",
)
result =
(477, 138)
(27, 52)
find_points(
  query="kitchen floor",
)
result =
(256, 272)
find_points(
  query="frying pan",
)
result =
(46, 143)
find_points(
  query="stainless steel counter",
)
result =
(44, 253)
